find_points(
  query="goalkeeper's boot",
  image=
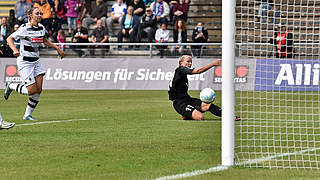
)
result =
(7, 91)
(238, 118)
(6, 125)
(186, 118)
(29, 118)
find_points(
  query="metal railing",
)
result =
(150, 45)
(240, 47)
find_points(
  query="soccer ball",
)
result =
(207, 95)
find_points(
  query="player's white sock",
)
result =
(32, 103)
(20, 88)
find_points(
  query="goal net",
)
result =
(280, 124)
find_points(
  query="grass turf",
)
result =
(128, 135)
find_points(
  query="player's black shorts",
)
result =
(185, 107)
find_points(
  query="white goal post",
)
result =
(280, 126)
(228, 96)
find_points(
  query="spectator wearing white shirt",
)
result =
(162, 36)
(118, 10)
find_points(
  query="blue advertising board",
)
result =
(287, 75)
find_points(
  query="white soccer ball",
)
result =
(207, 95)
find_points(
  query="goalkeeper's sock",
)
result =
(20, 88)
(32, 103)
(214, 109)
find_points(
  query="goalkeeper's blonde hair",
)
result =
(184, 57)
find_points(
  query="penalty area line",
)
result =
(50, 122)
(223, 168)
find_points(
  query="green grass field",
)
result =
(115, 135)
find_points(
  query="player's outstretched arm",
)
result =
(208, 66)
(50, 44)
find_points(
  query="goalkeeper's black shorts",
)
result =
(185, 107)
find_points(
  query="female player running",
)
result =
(190, 108)
(31, 35)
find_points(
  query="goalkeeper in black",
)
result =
(190, 108)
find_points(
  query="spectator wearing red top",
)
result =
(283, 41)
(180, 11)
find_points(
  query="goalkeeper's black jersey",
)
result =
(178, 87)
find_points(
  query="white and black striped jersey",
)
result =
(31, 38)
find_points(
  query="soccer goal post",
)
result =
(280, 126)
(228, 96)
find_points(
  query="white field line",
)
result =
(222, 168)
(202, 121)
(195, 173)
(50, 122)
(276, 156)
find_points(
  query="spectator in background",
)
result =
(16, 27)
(118, 10)
(265, 5)
(179, 36)
(84, 9)
(97, 11)
(32, 2)
(45, 8)
(127, 2)
(20, 9)
(61, 38)
(99, 35)
(180, 10)
(148, 26)
(53, 26)
(171, 4)
(12, 19)
(5, 30)
(161, 10)
(16, 41)
(60, 11)
(129, 26)
(73, 7)
(162, 36)
(148, 2)
(199, 35)
(80, 35)
(283, 41)
(138, 8)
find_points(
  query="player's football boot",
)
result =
(29, 118)
(6, 125)
(7, 91)
(238, 118)
(186, 118)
